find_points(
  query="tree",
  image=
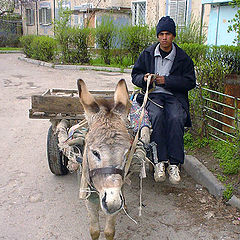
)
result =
(6, 6)
(235, 22)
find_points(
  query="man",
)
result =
(173, 76)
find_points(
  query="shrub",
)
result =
(105, 33)
(191, 33)
(136, 38)
(62, 31)
(78, 50)
(39, 47)
(229, 56)
(43, 48)
(26, 43)
(196, 51)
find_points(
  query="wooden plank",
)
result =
(61, 103)
(56, 104)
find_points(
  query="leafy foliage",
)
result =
(228, 154)
(235, 22)
(62, 32)
(39, 47)
(191, 33)
(26, 43)
(79, 42)
(228, 193)
(105, 36)
(136, 38)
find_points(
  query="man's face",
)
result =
(165, 38)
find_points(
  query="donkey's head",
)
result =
(106, 144)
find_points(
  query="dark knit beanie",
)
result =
(166, 24)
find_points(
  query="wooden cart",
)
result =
(66, 135)
(62, 107)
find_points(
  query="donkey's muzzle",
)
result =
(112, 201)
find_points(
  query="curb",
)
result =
(204, 177)
(73, 67)
(11, 51)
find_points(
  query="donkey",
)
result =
(107, 144)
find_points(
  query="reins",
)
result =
(134, 144)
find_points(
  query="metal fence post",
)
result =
(236, 122)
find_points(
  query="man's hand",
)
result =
(152, 77)
(158, 79)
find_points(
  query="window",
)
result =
(30, 20)
(45, 16)
(177, 10)
(138, 13)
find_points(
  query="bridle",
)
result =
(110, 170)
(127, 162)
(105, 170)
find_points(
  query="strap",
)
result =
(133, 148)
(106, 170)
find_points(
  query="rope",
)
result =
(130, 156)
(129, 216)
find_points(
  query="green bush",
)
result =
(26, 43)
(228, 193)
(78, 50)
(43, 48)
(39, 47)
(191, 33)
(230, 56)
(136, 38)
(62, 32)
(105, 34)
(196, 51)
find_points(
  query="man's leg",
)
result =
(175, 118)
(156, 115)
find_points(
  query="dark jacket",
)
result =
(181, 78)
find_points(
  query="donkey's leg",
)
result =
(109, 230)
(93, 214)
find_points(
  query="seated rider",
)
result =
(175, 77)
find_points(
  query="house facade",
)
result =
(219, 16)
(38, 16)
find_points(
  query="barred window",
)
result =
(177, 10)
(30, 19)
(45, 16)
(138, 13)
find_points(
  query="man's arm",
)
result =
(138, 72)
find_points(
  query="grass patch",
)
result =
(221, 158)
(228, 193)
(10, 49)
(227, 153)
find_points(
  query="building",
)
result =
(38, 16)
(219, 16)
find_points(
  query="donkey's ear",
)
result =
(121, 98)
(86, 98)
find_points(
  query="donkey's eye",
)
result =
(96, 154)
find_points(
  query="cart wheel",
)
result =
(56, 160)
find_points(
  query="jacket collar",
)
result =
(179, 52)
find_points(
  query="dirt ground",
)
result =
(35, 204)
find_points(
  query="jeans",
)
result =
(168, 127)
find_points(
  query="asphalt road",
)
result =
(36, 205)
